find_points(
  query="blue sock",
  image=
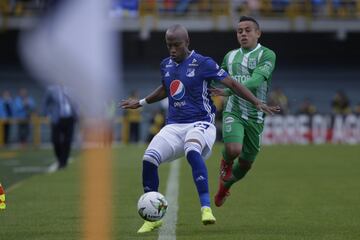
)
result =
(200, 176)
(150, 177)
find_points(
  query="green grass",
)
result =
(292, 193)
(16, 165)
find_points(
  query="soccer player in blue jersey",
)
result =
(189, 130)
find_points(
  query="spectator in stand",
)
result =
(254, 7)
(24, 107)
(157, 122)
(182, 6)
(110, 116)
(169, 5)
(124, 8)
(307, 107)
(340, 103)
(6, 113)
(357, 109)
(278, 98)
(318, 7)
(279, 6)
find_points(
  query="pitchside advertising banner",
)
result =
(317, 129)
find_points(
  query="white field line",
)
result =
(168, 230)
(34, 169)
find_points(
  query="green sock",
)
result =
(238, 172)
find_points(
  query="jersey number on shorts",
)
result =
(202, 125)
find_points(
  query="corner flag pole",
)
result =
(76, 47)
(96, 187)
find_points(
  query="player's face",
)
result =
(248, 34)
(178, 47)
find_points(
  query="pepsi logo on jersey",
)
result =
(177, 89)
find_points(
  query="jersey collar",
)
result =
(243, 51)
(191, 53)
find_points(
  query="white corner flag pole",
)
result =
(76, 47)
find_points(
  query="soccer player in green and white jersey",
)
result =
(252, 65)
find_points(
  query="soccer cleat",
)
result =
(2, 198)
(206, 216)
(225, 170)
(221, 194)
(150, 226)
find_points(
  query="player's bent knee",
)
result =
(194, 142)
(152, 156)
(233, 151)
(192, 146)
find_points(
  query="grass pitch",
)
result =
(292, 192)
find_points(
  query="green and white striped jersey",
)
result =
(241, 65)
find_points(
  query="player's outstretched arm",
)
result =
(220, 92)
(157, 95)
(245, 93)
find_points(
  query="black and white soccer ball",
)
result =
(152, 206)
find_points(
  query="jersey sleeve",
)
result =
(212, 71)
(162, 72)
(224, 64)
(255, 81)
(266, 65)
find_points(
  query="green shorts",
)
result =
(246, 132)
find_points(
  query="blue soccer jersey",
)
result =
(187, 88)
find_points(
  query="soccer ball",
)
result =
(152, 206)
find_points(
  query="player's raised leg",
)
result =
(233, 134)
(226, 165)
(196, 141)
(246, 145)
(158, 151)
(239, 170)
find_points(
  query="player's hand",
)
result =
(217, 92)
(267, 109)
(130, 103)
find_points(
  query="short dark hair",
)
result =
(251, 19)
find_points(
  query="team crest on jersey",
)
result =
(177, 89)
(190, 72)
(252, 63)
(228, 128)
(244, 70)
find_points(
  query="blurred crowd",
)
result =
(16, 111)
(340, 104)
(267, 8)
(18, 108)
